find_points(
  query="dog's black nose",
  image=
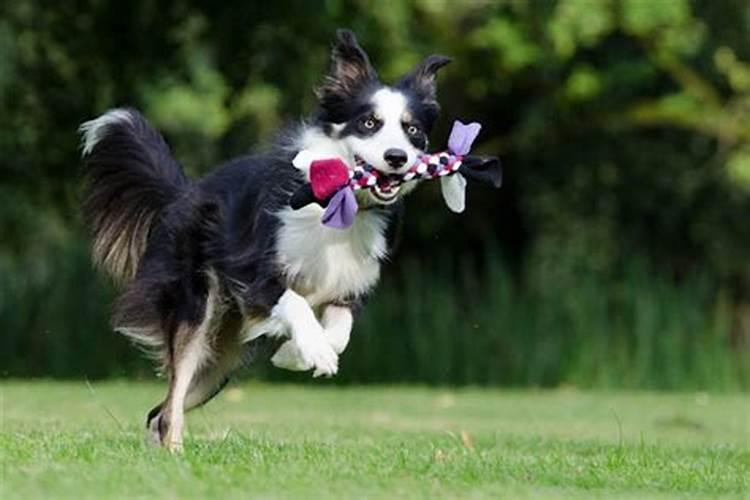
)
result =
(395, 157)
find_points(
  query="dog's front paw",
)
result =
(313, 352)
(289, 357)
(323, 357)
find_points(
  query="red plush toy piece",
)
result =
(327, 177)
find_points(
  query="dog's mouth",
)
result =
(386, 190)
(384, 195)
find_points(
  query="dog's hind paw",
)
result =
(153, 434)
(174, 447)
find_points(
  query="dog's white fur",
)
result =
(325, 263)
(337, 323)
(391, 107)
(310, 345)
(94, 130)
(337, 326)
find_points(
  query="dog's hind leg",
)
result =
(186, 362)
(226, 356)
(229, 354)
(206, 383)
(189, 352)
(213, 377)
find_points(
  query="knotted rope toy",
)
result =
(332, 183)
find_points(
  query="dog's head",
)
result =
(384, 126)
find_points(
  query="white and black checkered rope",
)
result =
(429, 166)
(485, 169)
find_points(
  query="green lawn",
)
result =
(320, 441)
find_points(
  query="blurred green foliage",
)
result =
(615, 254)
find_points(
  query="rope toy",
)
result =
(332, 183)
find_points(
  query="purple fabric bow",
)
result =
(341, 209)
(462, 137)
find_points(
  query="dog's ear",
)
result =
(350, 70)
(423, 78)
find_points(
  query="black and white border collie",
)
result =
(220, 270)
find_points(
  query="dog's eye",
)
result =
(412, 130)
(369, 123)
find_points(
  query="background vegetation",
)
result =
(616, 253)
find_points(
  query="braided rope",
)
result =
(428, 166)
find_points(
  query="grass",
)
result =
(65, 440)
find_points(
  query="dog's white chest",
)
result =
(326, 264)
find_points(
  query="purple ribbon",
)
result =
(462, 137)
(341, 209)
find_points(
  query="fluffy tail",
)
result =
(130, 177)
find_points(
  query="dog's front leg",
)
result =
(337, 324)
(308, 347)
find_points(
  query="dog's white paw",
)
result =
(174, 446)
(311, 352)
(324, 358)
(289, 357)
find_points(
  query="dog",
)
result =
(218, 271)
